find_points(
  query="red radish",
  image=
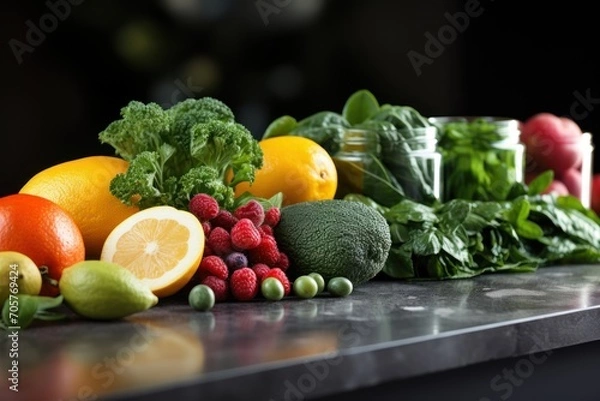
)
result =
(558, 188)
(572, 180)
(595, 206)
(552, 142)
(530, 176)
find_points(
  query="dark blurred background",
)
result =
(67, 67)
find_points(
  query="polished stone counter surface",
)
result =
(304, 349)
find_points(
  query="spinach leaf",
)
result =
(280, 126)
(569, 222)
(360, 106)
(462, 238)
(326, 128)
(402, 117)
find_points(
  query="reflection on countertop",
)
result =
(174, 347)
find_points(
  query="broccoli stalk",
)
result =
(194, 147)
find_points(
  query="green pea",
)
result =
(305, 287)
(320, 281)
(272, 289)
(340, 287)
(201, 298)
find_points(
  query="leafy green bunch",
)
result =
(193, 147)
(464, 238)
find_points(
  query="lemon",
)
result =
(161, 245)
(18, 268)
(295, 166)
(82, 188)
(102, 290)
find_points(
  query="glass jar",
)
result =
(575, 180)
(390, 166)
(355, 160)
(482, 157)
(586, 169)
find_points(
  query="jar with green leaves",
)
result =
(385, 152)
(389, 165)
(483, 158)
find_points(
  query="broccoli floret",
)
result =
(227, 146)
(142, 127)
(190, 112)
(143, 182)
(205, 180)
(194, 147)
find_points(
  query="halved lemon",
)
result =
(161, 245)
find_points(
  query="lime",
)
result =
(305, 287)
(201, 298)
(104, 290)
(339, 286)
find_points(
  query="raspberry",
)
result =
(212, 266)
(236, 260)
(244, 284)
(224, 219)
(219, 287)
(266, 230)
(266, 252)
(283, 262)
(252, 210)
(272, 216)
(261, 271)
(281, 276)
(244, 235)
(207, 250)
(204, 207)
(206, 227)
(219, 241)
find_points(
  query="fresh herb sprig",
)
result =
(21, 310)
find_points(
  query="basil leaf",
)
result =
(540, 183)
(48, 302)
(529, 230)
(49, 316)
(267, 203)
(407, 210)
(22, 309)
(19, 310)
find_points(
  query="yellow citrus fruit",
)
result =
(160, 245)
(18, 268)
(81, 187)
(297, 167)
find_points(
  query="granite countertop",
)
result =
(304, 349)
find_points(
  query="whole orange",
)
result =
(81, 187)
(42, 230)
(297, 167)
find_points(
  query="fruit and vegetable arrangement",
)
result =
(193, 204)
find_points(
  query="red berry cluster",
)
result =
(240, 249)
